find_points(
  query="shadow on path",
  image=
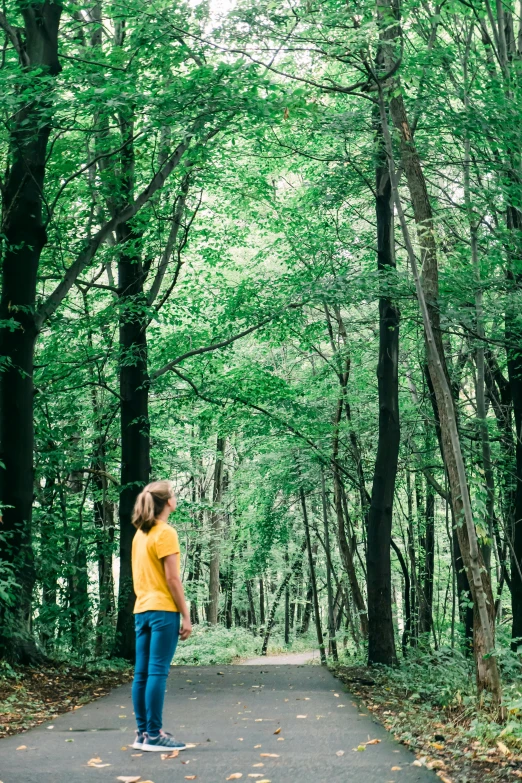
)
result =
(231, 713)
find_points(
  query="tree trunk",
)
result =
(261, 602)
(313, 580)
(23, 229)
(488, 677)
(277, 597)
(134, 394)
(406, 634)
(514, 356)
(428, 545)
(287, 604)
(332, 643)
(306, 612)
(215, 528)
(344, 546)
(381, 638)
(250, 596)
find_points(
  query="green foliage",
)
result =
(211, 645)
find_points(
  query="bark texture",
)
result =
(23, 226)
(381, 637)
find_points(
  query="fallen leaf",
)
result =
(416, 763)
(436, 764)
(172, 755)
(503, 748)
(235, 776)
(372, 742)
(265, 781)
(122, 716)
(280, 739)
(22, 747)
(94, 760)
(125, 779)
(257, 746)
(336, 694)
(278, 731)
(135, 755)
(360, 748)
(240, 739)
(191, 744)
(444, 778)
(396, 769)
(49, 727)
(99, 766)
(258, 720)
(124, 747)
(255, 774)
(190, 777)
(340, 753)
(269, 755)
(302, 716)
(259, 764)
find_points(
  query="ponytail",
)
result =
(150, 503)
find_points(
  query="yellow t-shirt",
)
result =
(148, 570)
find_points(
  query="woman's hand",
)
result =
(186, 629)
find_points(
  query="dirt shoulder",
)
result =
(443, 739)
(30, 696)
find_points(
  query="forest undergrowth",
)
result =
(30, 695)
(429, 703)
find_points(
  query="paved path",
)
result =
(294, 659)
(231, 713)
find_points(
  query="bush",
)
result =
(214, 645)
(210, 645)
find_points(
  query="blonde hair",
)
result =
(150, 503)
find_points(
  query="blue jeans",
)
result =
(156, 640)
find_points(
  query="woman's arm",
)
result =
(171, 563)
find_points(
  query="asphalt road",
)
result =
(231, 714)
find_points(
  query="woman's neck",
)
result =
(164, 516)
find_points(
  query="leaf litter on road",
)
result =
(97, 762)
(172, 755)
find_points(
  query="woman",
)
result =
(160, 602)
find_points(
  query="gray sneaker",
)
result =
(164, 741)
(139, 740)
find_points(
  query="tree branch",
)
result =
(171, 241)
(222, 343)
(92, 245)
(14, 37)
